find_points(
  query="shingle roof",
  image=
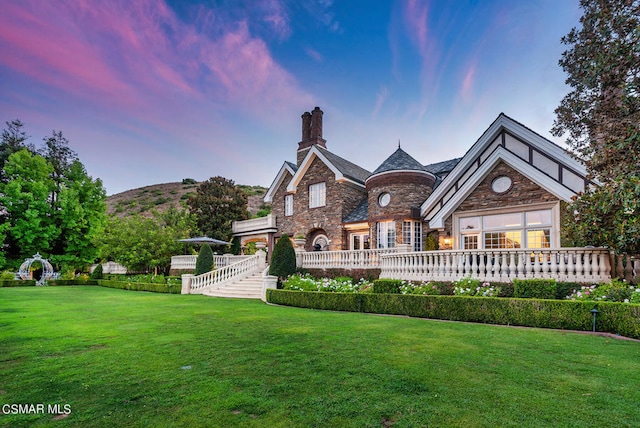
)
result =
(292, 165)
(360, 213)
(348, 169)
(399, 160)
(442, 167)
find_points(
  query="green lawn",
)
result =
(123, 358)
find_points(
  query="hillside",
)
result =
(160, 197)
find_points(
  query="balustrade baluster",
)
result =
(578, 266)
(512, 264)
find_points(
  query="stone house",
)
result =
(505, 192)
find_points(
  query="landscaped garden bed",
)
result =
(475, 302)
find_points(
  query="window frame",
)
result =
(318, 195)
(288, 205)
(551, 230)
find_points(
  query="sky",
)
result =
(154, 91)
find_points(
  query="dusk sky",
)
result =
(156, 91)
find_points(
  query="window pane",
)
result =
(288, 205)
(511, 239)
(502, 220)
(406, 232)
(540, 238)
(317, 194)
(469, 223)
(536, 218)
(470, 242)
(356, 242)
(417, 236)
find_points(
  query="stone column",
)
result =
(262, 259)
(186, 283)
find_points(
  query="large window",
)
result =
(386, 236)
(412, 234)
(317, 195)
(288, 205)
(529, 229)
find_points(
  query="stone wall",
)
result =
(341, 199)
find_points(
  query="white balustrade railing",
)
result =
(356, 259)
(254, 224)
(221, 276)
(189, 262)
(500, 265)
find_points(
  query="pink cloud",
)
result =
(139, 58)
(467, 83)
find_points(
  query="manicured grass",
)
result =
(123, 358)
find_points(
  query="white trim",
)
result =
(502, 122)
(555, 220)
(500, 154)
(306, 163)
(268, 197)
(356, 226)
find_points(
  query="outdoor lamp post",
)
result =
(594, 311)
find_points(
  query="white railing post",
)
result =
(186, 284)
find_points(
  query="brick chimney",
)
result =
(311, 133)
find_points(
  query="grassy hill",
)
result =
(160, 197)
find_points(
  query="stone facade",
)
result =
(341, 198)
(522, 192)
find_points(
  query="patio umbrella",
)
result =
(204, 240)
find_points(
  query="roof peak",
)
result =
(399, 161)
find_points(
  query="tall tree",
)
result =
(80, 218)
(218, 202)
(57, 152)
(13, 139)
(601, 118)
(25, 199)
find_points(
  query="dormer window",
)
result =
(317, 195)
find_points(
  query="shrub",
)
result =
(204, 262)
(534, 288)
(387, 286)
(189, 181)
(7, 276)
(618, 318)
(283, 259)
(235, 245)
(97, 272)
(428, 287)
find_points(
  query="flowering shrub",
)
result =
(473, 287)
(616, 291)
(338, 285)
(424, 287)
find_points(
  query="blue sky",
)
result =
(155, 91)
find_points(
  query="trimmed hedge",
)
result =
(67, 282)
(618, 318)
(534, 288)
(141, 286)
(17, 283)
(387, 286)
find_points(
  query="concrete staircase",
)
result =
(247, 288)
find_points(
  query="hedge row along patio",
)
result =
(612, 317)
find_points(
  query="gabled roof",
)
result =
(537, 158)
(348, 169)
(359, 214)
(399, 161)
(342, 168)
(289, 167)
